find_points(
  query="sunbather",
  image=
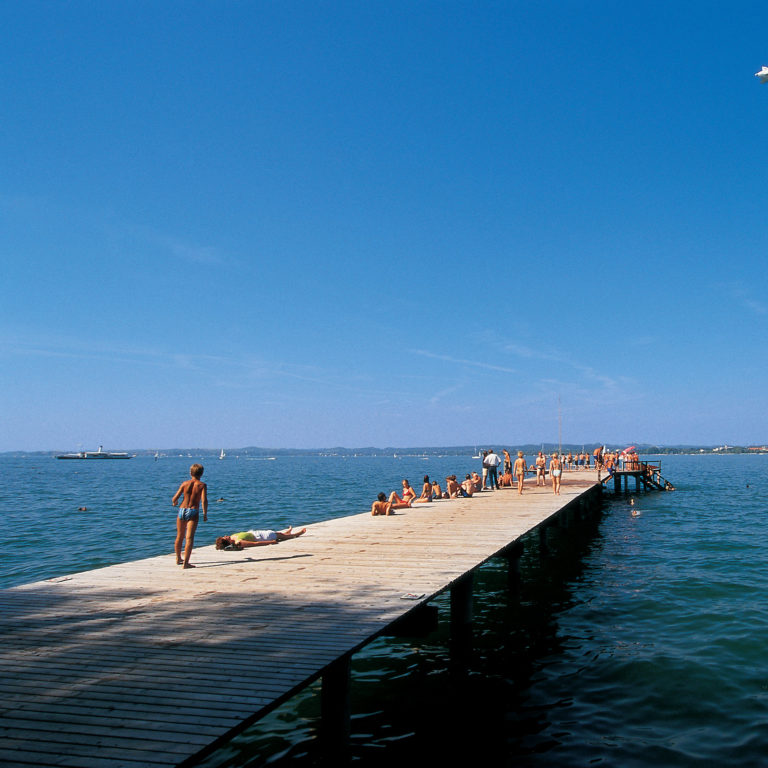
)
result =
(256, 538)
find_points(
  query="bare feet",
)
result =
(189, 565)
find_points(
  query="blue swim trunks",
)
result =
(187, 513)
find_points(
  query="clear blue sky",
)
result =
(294, 224)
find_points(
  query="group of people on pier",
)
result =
(192, 494)
(512, 476)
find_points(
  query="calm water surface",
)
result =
(639, 642)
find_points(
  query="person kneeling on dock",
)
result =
(256, 538)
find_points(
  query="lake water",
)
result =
(638, 642)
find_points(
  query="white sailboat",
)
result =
(222, 454)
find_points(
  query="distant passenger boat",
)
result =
(100, 454)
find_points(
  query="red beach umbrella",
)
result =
(631, 448)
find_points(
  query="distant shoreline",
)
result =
(463, 450)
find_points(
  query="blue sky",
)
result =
(294, 224)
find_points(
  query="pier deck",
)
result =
(146, 664)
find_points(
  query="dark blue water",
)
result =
(638, 642)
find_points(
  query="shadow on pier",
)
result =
(456, 684)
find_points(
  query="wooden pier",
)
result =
(146, 664)
(646, 476)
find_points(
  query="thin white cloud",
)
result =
(556, 356)
(462, 361)
(742, 296)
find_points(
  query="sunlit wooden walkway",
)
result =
(145, 664)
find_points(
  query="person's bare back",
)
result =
(193, 490)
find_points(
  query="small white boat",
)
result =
(222, 454)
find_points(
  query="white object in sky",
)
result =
(763, 75)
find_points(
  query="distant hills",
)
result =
(459, 450)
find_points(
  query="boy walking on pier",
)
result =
(195, 493)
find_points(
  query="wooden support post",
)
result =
(335, 713)
(461, 601)
(543, 548)
(513, 554)
(461, 621)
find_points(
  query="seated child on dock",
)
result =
(257, 538)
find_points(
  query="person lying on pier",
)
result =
(256, 538)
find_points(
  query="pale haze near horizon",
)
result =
(287, 225)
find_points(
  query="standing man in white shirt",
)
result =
(492, 461)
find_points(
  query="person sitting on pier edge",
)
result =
(437, 491)
(382, 506)
(478, 481)
(257, 538)
(408, 497)
(468, 486)
(426, 492)
(608, 463)
(452, 487)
